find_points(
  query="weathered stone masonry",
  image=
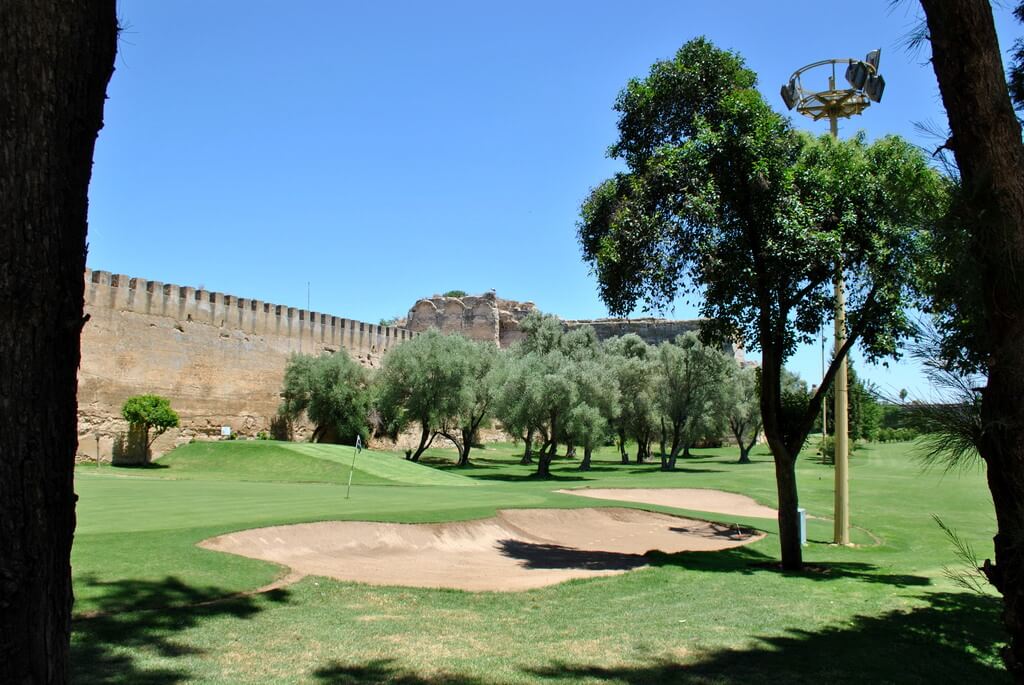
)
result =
(220, 359)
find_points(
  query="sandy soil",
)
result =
(518, 549)
(714, 501)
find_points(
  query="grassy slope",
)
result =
(882, 614)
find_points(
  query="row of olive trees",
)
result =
(554, 387)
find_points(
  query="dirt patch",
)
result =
(696, 499)
(518, 549)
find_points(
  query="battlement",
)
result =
(246, 315)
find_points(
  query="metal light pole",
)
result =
(866, 85)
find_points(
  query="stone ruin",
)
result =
(490, 318)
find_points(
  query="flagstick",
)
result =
(355, 450)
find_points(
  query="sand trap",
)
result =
(518, 549)
(714, 501)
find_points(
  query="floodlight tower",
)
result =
(866, 86)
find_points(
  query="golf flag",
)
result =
(357, 450)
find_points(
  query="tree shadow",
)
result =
(953, 639)
(548, 556)
(748, 562)
(526, 477)
(386, 671)
(140, 618)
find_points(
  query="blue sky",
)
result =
(382, 152)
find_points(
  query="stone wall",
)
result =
(220, 359)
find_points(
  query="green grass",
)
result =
(875, 613)
(244, 460)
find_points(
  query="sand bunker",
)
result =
(695, 499)
(518, 549)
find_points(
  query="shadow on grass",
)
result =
(746, 561)
(139, 619)
(953, 639)
(386, 671)
(140, 467)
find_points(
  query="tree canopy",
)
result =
(332, 390)
(150, 413)
(723, 199)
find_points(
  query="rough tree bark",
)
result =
(528, 448)
(56, 57)
(986, 142)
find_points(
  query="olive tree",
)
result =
(689, 383)
(743, 410)
(723, 199)
(630, 360)
(332, 390)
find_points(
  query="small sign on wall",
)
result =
(225, 431)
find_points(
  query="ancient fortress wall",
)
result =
(220, 359)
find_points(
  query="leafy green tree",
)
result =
(422, 380)
(723, 199)
(554, 387)
(630, 359)
(479, 368)
(743, 408)
(332, 390)
(597, 405)
(689, 382)
(455, 293)
(149, 413)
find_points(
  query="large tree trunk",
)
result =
(426, 439)
(789, 524)
(987, 145)
(544, 457)
(467, 444)
(56, 57)
(587, 451)
(623, 455)
(528, 450)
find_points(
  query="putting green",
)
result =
(383, 465)
(269, 461)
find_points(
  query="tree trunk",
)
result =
(624, 456)
(585, 464)
(56, 57)
(426, 438)
(544, 458)
(467, 444)
(661, 439)
(987, 145)
(744, 454)
(528, 450)
(789, 525)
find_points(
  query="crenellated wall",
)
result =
(220, 359)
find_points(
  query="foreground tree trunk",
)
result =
(56, 57)
(987, 145)
(623, 455)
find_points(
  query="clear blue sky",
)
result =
(387, 151)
